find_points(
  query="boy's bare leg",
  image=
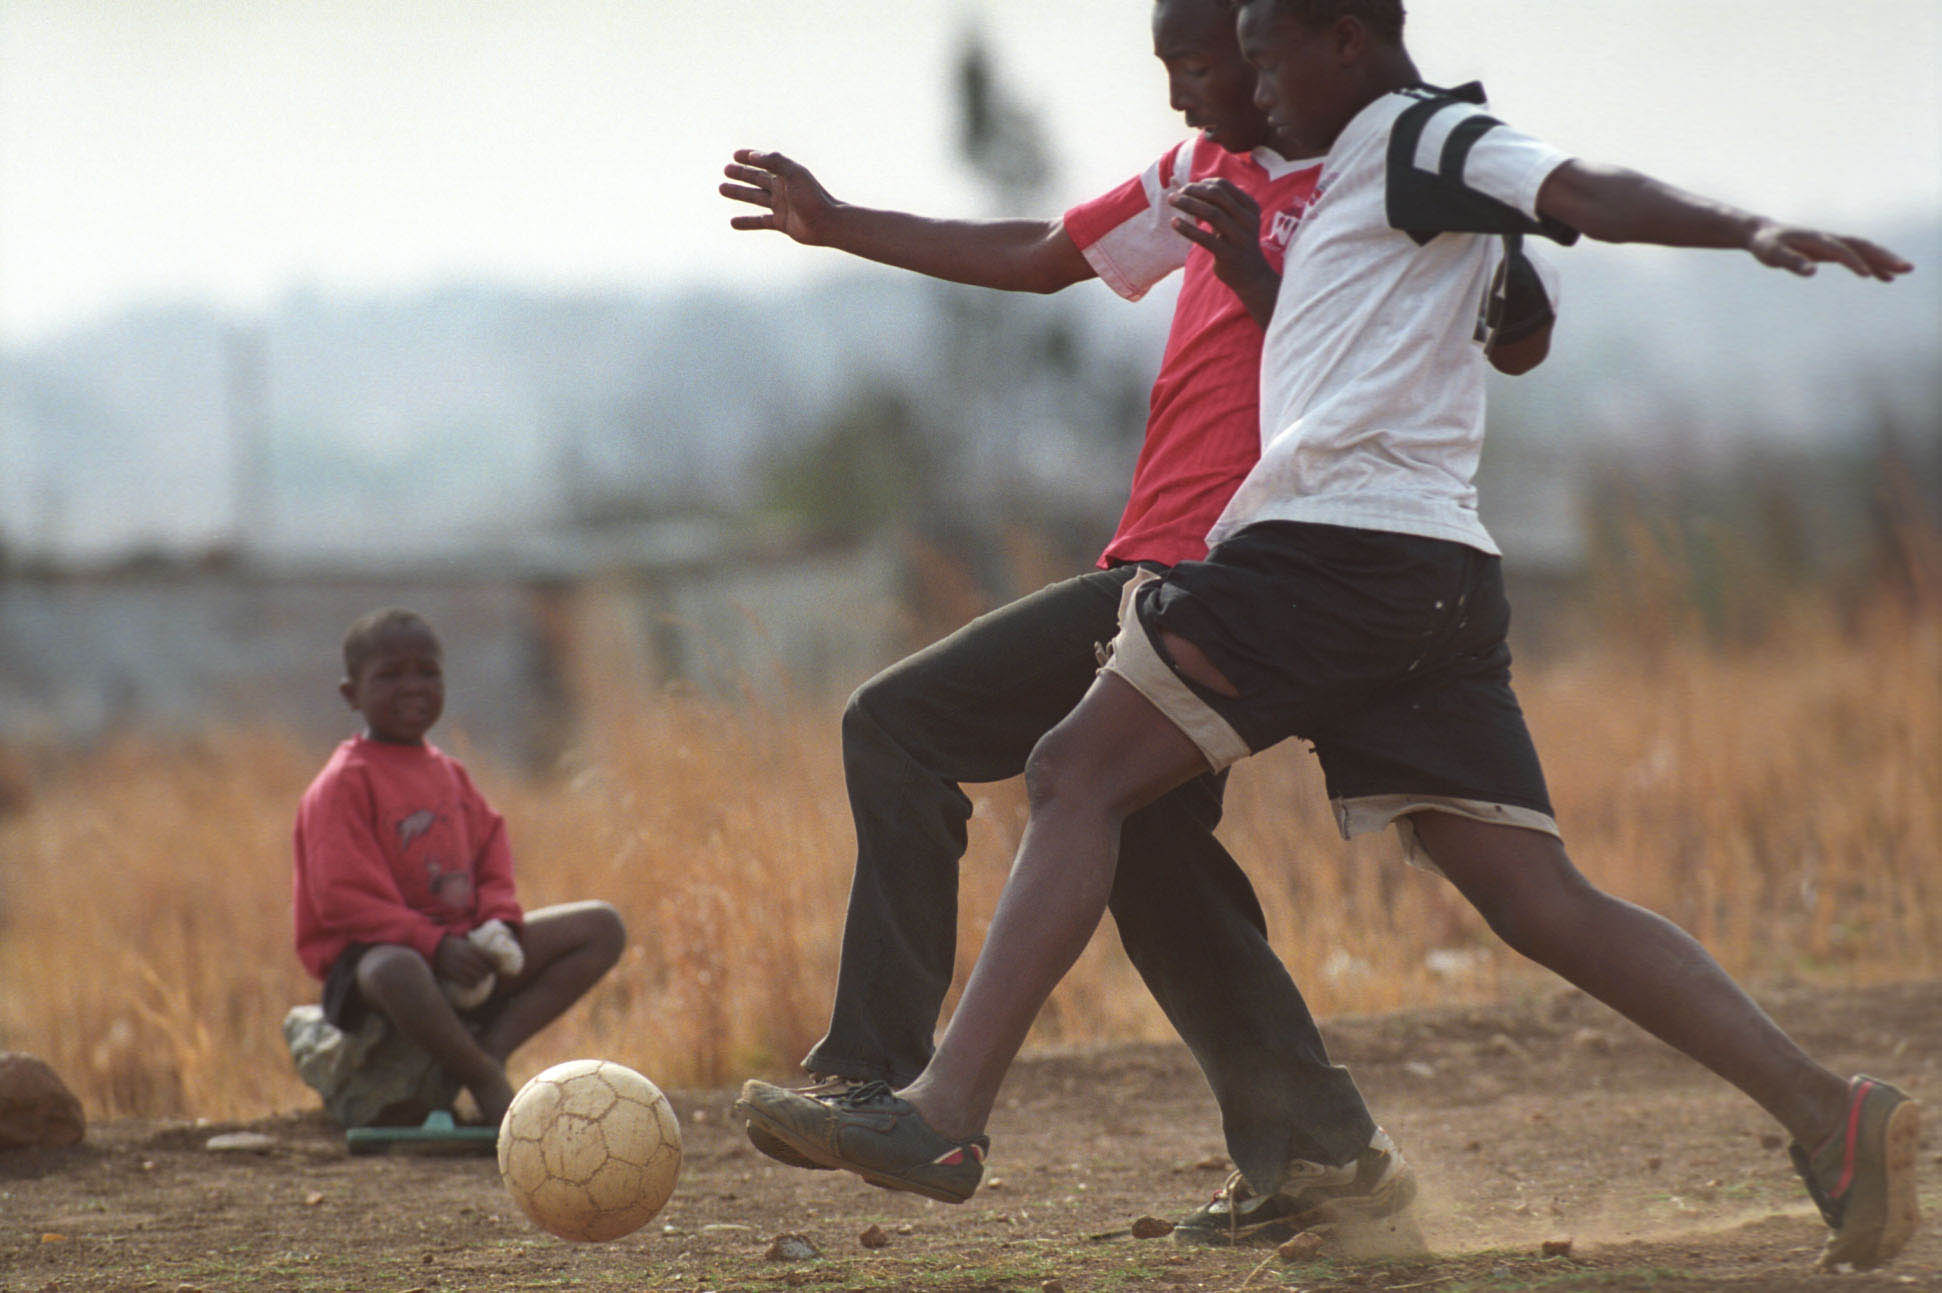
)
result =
(1112, 755)
(399, 983)
(568, 948)
(1638, 963)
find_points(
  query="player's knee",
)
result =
(1528, 904)
(1065, 770)
(1050, 772)
(871, 713)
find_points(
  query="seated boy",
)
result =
(404, 888)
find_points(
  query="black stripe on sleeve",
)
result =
(1426, 203)
(1456, 148)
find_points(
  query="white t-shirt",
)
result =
(1372, 371)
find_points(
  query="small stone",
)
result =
(1475, 1147)
(995, 1183)
(1151, 1228)
(1554, 1248)
(313, 1198)
(906, 1229)
(1417, 1068)
(699, 1117)
(1590, 1039)
(1521, 1208)
(239, 1142)
(1505, 1044)
(1304, 1245)
(791, 1248)
(1051, 1286)
(53, 1237)
(1771, 1140)
(1213, 1163)
(874, 1238)
(1654, 1163)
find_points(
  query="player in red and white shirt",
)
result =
(1219, 208)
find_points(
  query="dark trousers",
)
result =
(970, 708)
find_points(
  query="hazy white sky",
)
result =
(230, 151)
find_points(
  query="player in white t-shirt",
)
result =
(1353, 598)
(1217, 210)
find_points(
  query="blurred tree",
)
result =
(866, 467)
(998, 135)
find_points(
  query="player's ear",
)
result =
(1351, 38)
(348, 690)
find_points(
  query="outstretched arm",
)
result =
(1612, 204)
(1013, 255)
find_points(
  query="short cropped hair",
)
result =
(362, 637)
(1382, 17)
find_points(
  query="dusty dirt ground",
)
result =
(1550, 1120)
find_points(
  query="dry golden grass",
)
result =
(1783, 801)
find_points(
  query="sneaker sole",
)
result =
(1902, 1209)
(1385, 1201)
(823, 1157)
(781, 1151)
(1334, 1215)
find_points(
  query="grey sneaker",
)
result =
(1863, 1176)
(821, 1086)
(1377, 1183)
(871, 1132)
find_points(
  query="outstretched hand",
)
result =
(795, 202)
(1218, 215)
(1799, 250)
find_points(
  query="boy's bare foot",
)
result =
(493, 1097)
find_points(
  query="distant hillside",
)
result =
(446, 419)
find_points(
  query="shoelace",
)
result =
(1235, 1190)
(868, 1093)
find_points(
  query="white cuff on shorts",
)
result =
(1369, 813)
(1135, 659)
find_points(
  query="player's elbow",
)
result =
(1053, 263)
(1516, 358)
(1045, 279)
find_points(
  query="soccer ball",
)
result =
(589, 1150)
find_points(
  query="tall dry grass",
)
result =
(1781, 799)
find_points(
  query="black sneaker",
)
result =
(1377, 1183)
(1863, 1176)
(822, 1086)
(871, 1132)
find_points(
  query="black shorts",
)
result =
(343, 1003)
(1387, 651)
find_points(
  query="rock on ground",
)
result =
(36, 1108)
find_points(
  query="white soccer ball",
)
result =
(589, 1150)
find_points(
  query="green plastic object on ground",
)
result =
(437, 1133)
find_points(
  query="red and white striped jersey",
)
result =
(1203, 427)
